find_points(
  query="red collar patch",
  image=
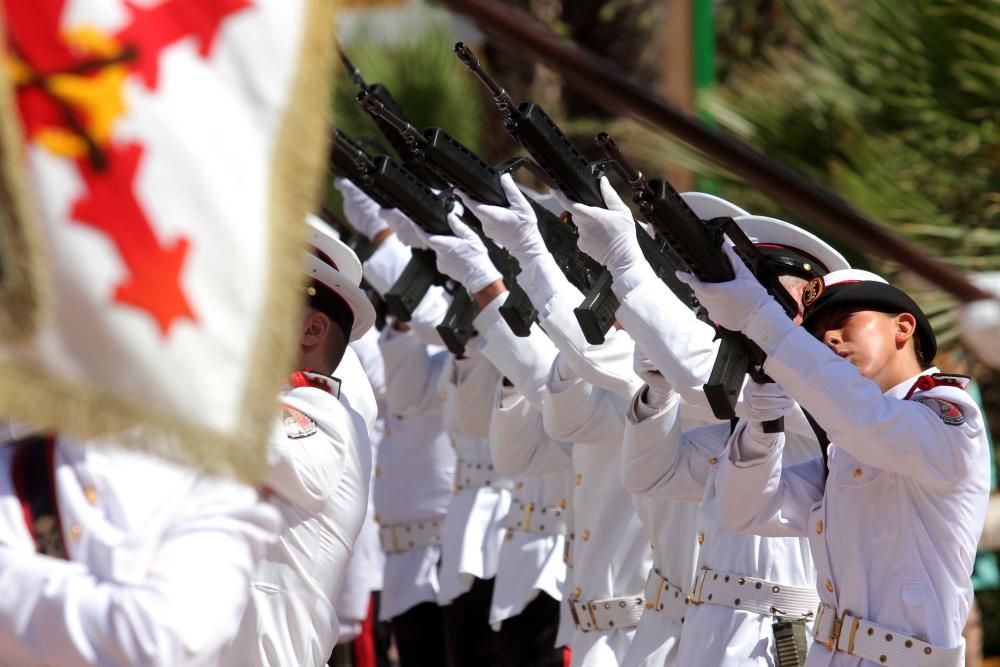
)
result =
(308, 378)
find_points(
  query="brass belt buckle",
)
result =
(576, 619)
(694, 597)
(838, 625)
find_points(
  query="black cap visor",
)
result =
(871, 295)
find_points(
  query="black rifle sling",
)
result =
(34, 482)
(822, 438)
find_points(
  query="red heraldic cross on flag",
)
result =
(161, 139)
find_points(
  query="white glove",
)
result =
(658, 389)
(360, 210)
(404, 228)
(980, 321)
(606, 234)
(742, 304)
(765, 402)
(462, 257)
(514, 227)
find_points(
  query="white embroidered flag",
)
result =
(172, 149)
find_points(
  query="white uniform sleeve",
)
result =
(519, 444)
(577, 411)
(608, 365)
(475, 386)
(759, 496)
(305, 469)
(412, 373)
(184, 610)
(905, 437)
(526, 362)
(659, 460)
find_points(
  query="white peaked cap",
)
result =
(335, 266)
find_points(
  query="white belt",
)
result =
(665, 597)
(737, 591)
(606, 615)
(528, 517)
(401, 537)
(861, 638)
(471, 475)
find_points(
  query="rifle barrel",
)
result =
(375, 107)
(498, 92)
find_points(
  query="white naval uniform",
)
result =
(661, 461)
(894, 535)
(520, 447)
(415, 475)
(586, 401)
(414, 481)
(319, 466)
(422, 382)
(159, 563)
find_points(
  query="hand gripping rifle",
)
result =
(454, 163)
(398, 188)
(698, 245)
(399, 144)
(364, 249)
(577, 178)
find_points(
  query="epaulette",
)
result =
(927, 382)
(307, 378)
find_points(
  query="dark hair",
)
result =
(331, 304)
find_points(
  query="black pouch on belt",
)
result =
(789, 642)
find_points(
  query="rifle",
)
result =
(698, 245)
(517, 310)
(578, 179)
(400, 145)
(398, 188)
(364, 249)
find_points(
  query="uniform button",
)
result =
(509, 536)
(75, 531)
(378, 471)
(378, 518)
(458, 487)
(701, 538)
(585, 535)
(519, 486)
(562, 504)
(579, 479)
(443, 396)
(91, 493)
(819, 527)
(577, 592)
(857, 473)
(387, 433)
(829, 586)
(713, 461)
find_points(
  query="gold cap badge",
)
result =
(812, 291)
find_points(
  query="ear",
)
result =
(906, 328)
(315, 329)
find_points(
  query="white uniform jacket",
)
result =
(319, 468)
(423, 382)
(532, 555)
(414, 481)
(661, 460)
(588, 389)
(159, 563)
(894, 534)
(520, 448)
